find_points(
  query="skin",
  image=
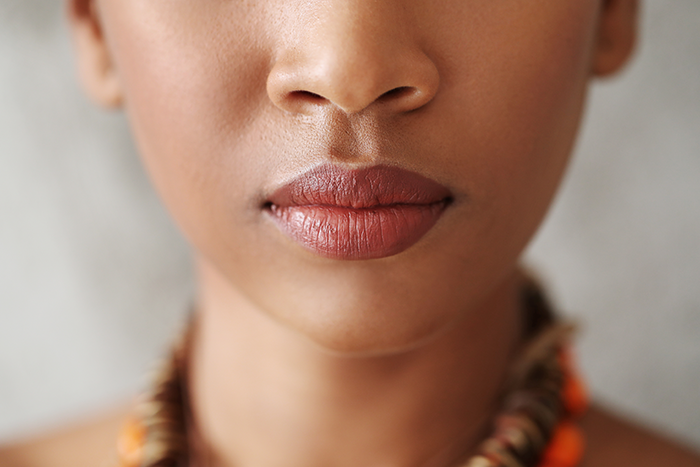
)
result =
(494, 124)
(395, 361)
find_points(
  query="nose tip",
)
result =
(352, 68)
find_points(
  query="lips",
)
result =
(359, 214)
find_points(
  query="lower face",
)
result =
(218, 142)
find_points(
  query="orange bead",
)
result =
(574, 396)
(130, 444)
(565, 448)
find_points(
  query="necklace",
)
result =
(534, 428)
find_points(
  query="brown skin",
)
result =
(212, 93)
(395, 361)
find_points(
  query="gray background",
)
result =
(94, 279)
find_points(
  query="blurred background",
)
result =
(94, 279)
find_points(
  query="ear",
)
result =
(95, 66)
(617, 35)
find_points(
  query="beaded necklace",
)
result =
(536, 426)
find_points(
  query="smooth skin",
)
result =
(302, 361)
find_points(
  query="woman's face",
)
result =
(232, 99)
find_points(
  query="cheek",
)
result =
(518, 110)
(194, 97)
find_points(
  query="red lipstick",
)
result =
(359, 214)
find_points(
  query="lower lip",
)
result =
(357, 234)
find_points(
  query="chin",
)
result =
(377, 330)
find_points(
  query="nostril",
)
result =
(306, 96)
(397, 93)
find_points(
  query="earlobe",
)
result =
(95, 65)
(617, 36)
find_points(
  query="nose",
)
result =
(353, 54)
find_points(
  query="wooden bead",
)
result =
(480, 461)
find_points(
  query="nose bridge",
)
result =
(359, 34)
(353, 53)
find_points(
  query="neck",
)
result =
(264, 396)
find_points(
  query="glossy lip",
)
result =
(358, 214)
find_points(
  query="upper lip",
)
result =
(364, 188)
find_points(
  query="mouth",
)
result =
(361, 214)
